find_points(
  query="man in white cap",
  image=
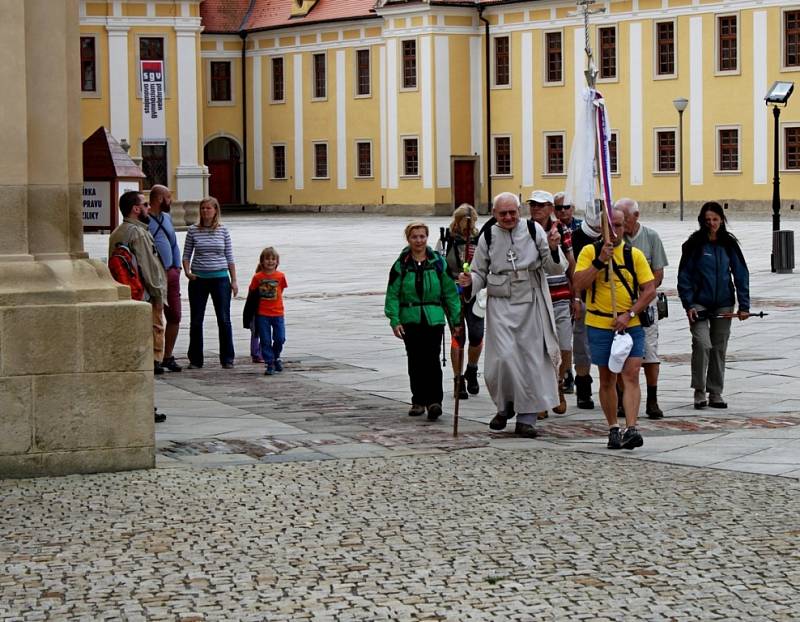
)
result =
(560, 285)
(511, 260)
(634, 288)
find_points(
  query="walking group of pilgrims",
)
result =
(540, 295)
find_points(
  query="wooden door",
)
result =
(221, 184)
(463, 182)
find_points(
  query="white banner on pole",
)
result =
(153, 122)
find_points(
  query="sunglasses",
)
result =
(560, 208)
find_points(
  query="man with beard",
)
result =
(169, 253)
(134, 234)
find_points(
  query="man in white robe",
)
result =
(522, 352)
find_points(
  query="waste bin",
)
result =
(783, 251)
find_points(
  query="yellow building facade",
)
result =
(396, 107)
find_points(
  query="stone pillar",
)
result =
(76, 384)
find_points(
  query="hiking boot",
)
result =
(498, 422)
(416, 410)
(699, 399)
(541, 415)
(460, 388)
(471, 376)
(632, 439)
(525, 430)
(270, 370)
(653, 411)
(569, 383)
(583, 392)
(171, 364)
(227, 366)
(715, 401)
(159, 417)
(434, 411)
(562, 402)
(614, 439)
(158, 369)
(278, 365)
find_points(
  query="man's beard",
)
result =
(145, 218)
(166, 207)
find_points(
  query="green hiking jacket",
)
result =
(414, 290)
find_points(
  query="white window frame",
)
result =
(403, 140)
(272, 80)
(313, 63)
(327, 175)
(494, 62)
(510, 174)
(616, 173)
(227, 102)
(674, 74)
(782, 136)
(738, 70)
(545, 61)
(285, 161)
(359, 141)
(656, 171)
(138, 67)
(546, 160)
(786, 68)
(356, 94)
(717, 151)
(97, 92)
(616, 53)
(402, 87)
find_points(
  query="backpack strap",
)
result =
(627, 260)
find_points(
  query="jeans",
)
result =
(220, 291)
(423, 345)
(272, 333)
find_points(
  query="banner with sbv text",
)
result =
(153, 123)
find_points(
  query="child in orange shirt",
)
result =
(269, 317)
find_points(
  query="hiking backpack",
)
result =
(125, 270)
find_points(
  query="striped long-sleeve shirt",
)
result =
(210, 250)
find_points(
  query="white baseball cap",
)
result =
(620, 349)
(541, 196)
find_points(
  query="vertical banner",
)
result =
(153, 123)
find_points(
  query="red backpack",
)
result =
(125, 270)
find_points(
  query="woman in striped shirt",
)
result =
(212, 272)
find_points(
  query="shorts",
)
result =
(580, 344)
(600, 343)
(563, 316)
(651, 342)
(172, 310)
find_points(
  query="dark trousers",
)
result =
(220, 291)
(423, 344)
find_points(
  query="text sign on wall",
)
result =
(97, 204)
(153, 124)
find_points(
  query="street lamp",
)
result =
(680, 105)
(777, 95)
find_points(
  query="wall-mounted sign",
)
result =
(153, 123)
(97, 204)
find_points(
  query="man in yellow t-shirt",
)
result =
(593, 274)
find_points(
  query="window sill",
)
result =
(502, 175)
(315, 100)
(728, 173)
(279, 179)
(730, 72)
(91, 95)
(364, 177)
(553, 84)
(666, 76)
(665, 173)
(363, 96)
(501, 87)
(411, 177)
(320, 179)
(554, 175)
(277, 101)
(221, 104)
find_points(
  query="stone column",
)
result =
(76, 385)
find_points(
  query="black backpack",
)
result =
(627, 260)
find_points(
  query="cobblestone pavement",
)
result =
(482, 534)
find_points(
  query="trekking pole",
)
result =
(443, 232)
(461, 325)
(733, 315)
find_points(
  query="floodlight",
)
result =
(779, 92)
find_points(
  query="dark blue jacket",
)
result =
(707, 275)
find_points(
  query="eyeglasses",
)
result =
(559, 208)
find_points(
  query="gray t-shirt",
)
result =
(649, 242)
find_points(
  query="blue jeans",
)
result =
(272, 332)
(220, 291)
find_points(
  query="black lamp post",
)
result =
(680, 105)
(777, 96)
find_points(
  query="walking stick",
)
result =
(443, 233)
(733, 315)
(459, 363)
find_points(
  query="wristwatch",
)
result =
(632, 314)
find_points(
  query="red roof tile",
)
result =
(224, 15)
(277, 13)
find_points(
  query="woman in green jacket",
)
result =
(420, 297)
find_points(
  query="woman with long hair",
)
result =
(208, 264)
(712, 276)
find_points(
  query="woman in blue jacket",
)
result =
(712, 276)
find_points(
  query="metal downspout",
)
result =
(487, 79)
(243, 35)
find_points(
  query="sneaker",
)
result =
(157, 368)
(159, 417)
(699, 399)
(653, 411)
(195, 366)
(416, 410)
(270, 369)
(256, 359)
(614, 439)
(569, 382)
(632, 439)
(278, 365)
(171, 364)
(715, 401)
(434, 411)
(227, 366)
(525, 430)
(498, 422)
(471, 376)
